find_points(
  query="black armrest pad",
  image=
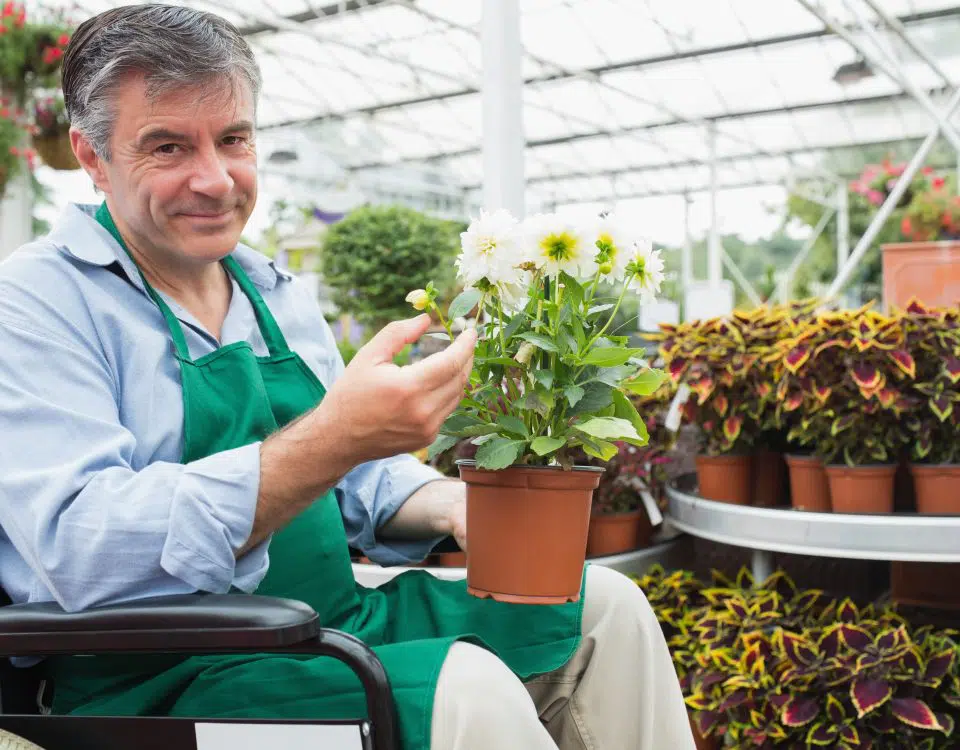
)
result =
(212, 623)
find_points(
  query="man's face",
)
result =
(183, 170)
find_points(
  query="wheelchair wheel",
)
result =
(10, 741)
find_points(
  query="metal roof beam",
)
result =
(658, 125)
(613, 67)
(686, 164)
(325, 11)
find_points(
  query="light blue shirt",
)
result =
(95, 506)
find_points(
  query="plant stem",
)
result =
(443, 320)
(503, 341)
(593, 289)
(612, 316)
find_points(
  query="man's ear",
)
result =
(92, 164)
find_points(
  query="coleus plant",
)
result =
(850, 371)
(551, 373)
(933, 338)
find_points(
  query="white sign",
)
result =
(702, 300)
(242, 736)
(672, 420)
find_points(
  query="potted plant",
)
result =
(711, 360)
(51, 133)
(14, 156)
(933, 339)
(861, 371)
(550, 376)
(31, 51)
(921, 257)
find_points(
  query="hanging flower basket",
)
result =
(55, 151)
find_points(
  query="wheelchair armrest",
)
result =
(184, 623)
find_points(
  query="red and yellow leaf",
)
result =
(951, 368)
(904, 360)
(799, 712)
(796, 358)
(915, 713)
(869, 695)
(732, 426)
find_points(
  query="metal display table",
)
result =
(669, 548)
(901, 537)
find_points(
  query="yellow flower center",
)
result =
(559, 247)
(487, 245)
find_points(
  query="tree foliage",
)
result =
(376, 254)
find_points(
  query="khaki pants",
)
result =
(618, 692)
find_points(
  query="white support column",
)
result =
(714, 249)
(16, 214)
(843, 274)
(686, 252)
(843, 225)
(503, 138)
(785, 287)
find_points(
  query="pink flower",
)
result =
(938, 183)
(875, 197)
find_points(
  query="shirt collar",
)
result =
(78, 234)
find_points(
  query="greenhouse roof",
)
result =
(619, 95)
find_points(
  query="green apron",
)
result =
(232, 398)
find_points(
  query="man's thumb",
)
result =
(391, 339)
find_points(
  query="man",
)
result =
(177, 419)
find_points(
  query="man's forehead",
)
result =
(220, 98)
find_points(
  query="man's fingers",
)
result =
(391, 339)
(447, 365)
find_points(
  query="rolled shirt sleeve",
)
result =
(93, 527)
(369, 497)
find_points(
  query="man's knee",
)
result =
(479, 678)
(610, 594)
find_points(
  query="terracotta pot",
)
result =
(862, 489)
(937, 487)
(528, 531)
(769, 473)
(452, 559)
(726, 479)
(56, 152)
(929, 271)
(809, 488)
(613, 533)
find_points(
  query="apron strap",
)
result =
(272, 335)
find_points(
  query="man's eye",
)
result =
(168, 149)
(233, 140)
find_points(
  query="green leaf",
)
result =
(531, 401)
(544, 445)
(544, 377)
(479, 429)
(599, 449)
(571, 289)
(624, 409)
(613, 376)
(646, 382)
(598, 309)
(499, 453)
(514, 325)
(578, 334)
(441, 444)
(457, 423)
(541, 341)
(573, 393)
(611, 356)
(610, 428)
(464, 303)
(596, 396)
(501, 361)
(512, 424)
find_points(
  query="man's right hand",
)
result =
(383, 410)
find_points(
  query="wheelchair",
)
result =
(189, 624)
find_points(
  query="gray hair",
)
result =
(172, 46)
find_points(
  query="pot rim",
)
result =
(929, 467)
(471, 463)
(861, 467)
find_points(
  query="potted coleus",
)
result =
(933, 339)
(862, 371)
(551, 375)
(711, 360)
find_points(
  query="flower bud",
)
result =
(525, 353)
(606, 267)
(419, 299)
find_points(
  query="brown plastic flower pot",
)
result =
(452, 559)
(937, 488)
(726, 479)
(809, 487)
(928, 271)
(613, 533)
(862, 489)
(769, 473)
(528, 531)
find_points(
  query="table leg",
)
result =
(761, 565)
